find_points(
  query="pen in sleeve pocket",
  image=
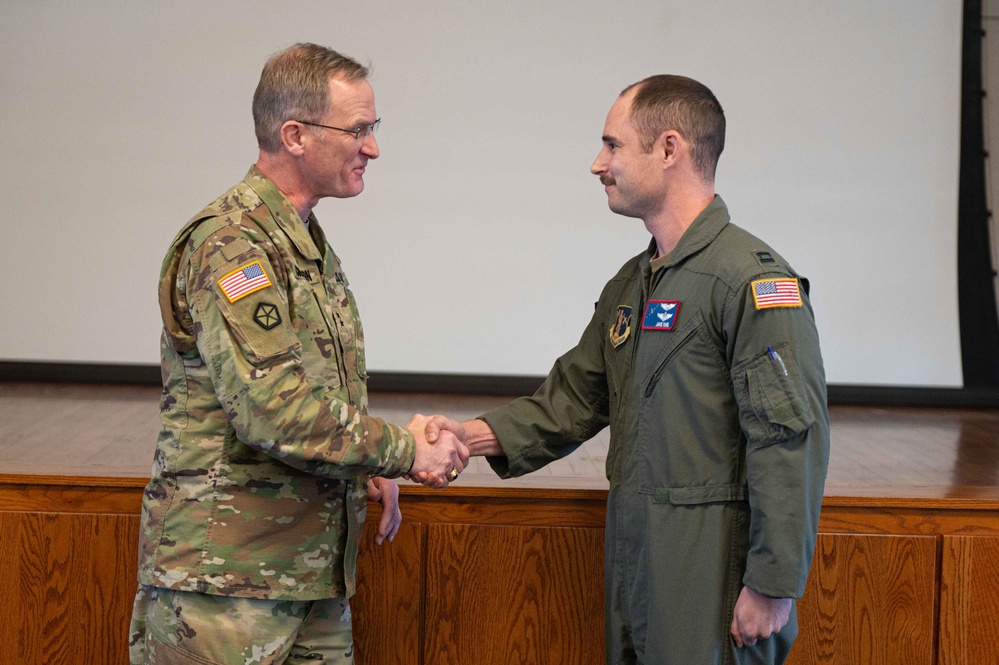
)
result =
(774, 356)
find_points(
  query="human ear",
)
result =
(293, 138)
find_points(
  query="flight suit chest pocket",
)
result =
(665, 348)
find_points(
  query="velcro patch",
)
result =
(267, 316)
(622, 326)
(660, 314)
(765, 259)
(783, 292)
(244, 280)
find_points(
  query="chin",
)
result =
(621, 210)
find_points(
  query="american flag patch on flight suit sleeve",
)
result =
(776, 293)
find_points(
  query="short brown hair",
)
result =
(665, 102)
(294, 85)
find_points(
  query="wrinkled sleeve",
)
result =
(784, 416)
(569, 408)
(255, 361)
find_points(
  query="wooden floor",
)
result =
(909, 455)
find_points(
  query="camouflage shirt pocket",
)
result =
(254, 306)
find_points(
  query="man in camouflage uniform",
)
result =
(267, 457)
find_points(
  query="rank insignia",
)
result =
(765, 258)
(622, 326)
(244, 280)
(660, 314)
(769, 293)
(267, 316)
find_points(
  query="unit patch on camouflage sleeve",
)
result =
(244, 280)
(267, 316)
(776, 293)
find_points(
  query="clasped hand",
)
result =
(440, 452)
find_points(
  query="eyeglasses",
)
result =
(360, 133)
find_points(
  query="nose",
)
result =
(370, 146)
(599, 164)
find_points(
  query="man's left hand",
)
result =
(757, 617)
(386, 492)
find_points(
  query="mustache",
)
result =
(606, 180)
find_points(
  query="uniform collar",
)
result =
(284, 213)
(705, 228)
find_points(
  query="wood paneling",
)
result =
(67, 587)
(514, 595)
(870, 600)
(969, 600)
(509, 571)
(388, 607)
(505, 506)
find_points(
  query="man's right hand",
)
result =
(440, 460)
(480, 438)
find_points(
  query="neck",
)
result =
(682, 207)
(289, 181)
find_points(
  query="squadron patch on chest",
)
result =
(660, 314)
(244, 280)
(622, 326)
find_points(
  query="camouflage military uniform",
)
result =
(259, 483)
(186, 627)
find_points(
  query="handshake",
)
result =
(441, 450)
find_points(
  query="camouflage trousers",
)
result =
(184, 628)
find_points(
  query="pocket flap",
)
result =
(690, 496)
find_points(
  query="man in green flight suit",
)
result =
(703, 358)
(268, 457)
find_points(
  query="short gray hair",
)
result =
(294, 85)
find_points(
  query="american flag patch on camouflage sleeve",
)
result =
(244, 280)
(776, 293)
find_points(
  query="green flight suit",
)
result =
(709, 374)
(259, 484)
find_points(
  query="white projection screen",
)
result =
(482, 240)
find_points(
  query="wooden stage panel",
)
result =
(387, 610)
(969, 618)
(511, 571)
(536, 591)
(870, 599)
(70, 589)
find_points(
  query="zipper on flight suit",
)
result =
(654, 379)
(647, 290)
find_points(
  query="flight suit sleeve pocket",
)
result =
(770, 398)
